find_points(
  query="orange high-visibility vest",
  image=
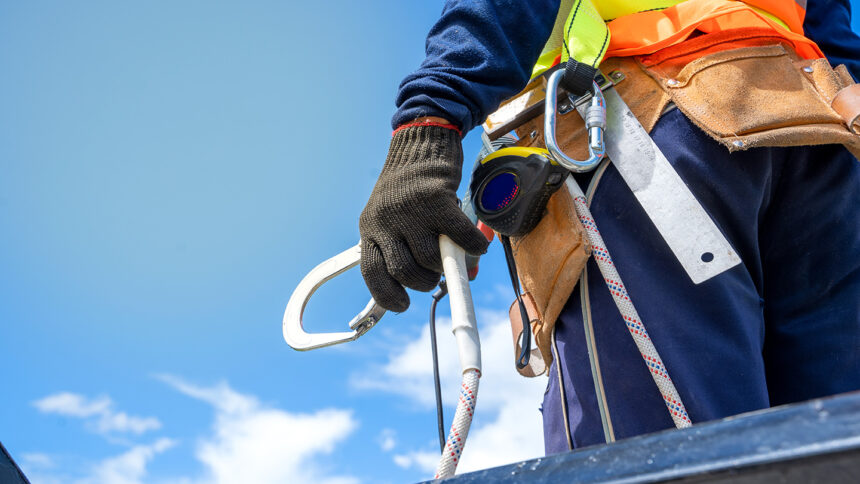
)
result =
(591, 30)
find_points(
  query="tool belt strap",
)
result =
(847, 104)
(759, 93)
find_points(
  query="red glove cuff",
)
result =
(428, 123)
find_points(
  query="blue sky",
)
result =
(170, 171)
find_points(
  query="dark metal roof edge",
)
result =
(788, 433)
(14, 464)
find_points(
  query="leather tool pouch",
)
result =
(549, 260)
(551, 257)
(757, 93)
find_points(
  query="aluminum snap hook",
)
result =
(595, 122)
(293, 327)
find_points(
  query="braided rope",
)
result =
(631, 318)
(460, 427)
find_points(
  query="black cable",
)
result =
(526, 334)
(440, 419)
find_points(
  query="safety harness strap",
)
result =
(595, 29)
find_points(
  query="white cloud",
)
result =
(37, 477)
(73, 405)
(507, 425)
(248, 442)
(387, 440)
(122, 422)
(35, 459)
(251, 442)
(425, 461)
(37, 467)
(128, 467)
(99, 412)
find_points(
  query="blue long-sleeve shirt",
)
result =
(482, 52)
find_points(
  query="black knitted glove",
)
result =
(413, 202)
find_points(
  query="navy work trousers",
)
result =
(783, 326)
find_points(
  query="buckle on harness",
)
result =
(293, 326)
(595, 123)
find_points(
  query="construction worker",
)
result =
(783, 186)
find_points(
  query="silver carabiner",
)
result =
(294, 332)
(595, 122)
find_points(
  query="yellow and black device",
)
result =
(510, 188)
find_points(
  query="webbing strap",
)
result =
(578, 77)
(586, 34)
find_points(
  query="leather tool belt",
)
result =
(753, 92)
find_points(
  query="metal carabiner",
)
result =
(294, 332)
(595, 122)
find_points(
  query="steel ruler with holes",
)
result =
(686, 227)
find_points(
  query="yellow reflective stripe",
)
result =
(587, 19)
(586, 34)
(545, 61)
(771, 16)
(611, 10)
(523, 151)
(552, 48)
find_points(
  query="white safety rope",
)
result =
(628, 312)
(460, 427)
(465, 328)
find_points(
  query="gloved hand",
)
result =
(413, 202)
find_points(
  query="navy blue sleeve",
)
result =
(828, 24)
(479, 53)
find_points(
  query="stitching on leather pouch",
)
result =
(702, 115)
(822, 64)
(703, 63)
(700, 110)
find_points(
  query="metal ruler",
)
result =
(686, 227)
